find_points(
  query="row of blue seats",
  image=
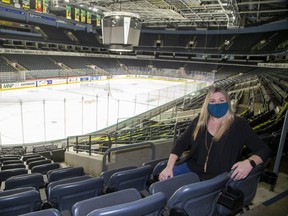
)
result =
(68, 194)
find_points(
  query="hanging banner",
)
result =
(38, 5)
(45, 6)
(68, 12)
(6, 1)
(16, 3)
(77, 14)
(26, 4)
(98, 20)
(89, 17)
(83, 16)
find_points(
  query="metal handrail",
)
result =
(281, 144)
(107, 153)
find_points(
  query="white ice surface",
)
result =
(55, 112)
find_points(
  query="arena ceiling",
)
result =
(193, 13)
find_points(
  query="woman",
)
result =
(215, 140)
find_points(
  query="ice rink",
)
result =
(55, 112)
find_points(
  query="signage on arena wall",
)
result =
(273, 65)
(28, 84)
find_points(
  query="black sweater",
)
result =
(224, 153)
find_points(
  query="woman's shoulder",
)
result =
(240, 120)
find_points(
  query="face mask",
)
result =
(218, 110)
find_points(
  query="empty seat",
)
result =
(170, 185)
(44, 212)
(62, 173)
(35, 180)
(27, 156)
(64, 196)
(44, 168)
(5, 174)
(12, 166)
(132, 178)
(29, 160)
(19, 201)
(6, 158)
(149, 206)
(153, 163)
(13, 162)
(39, 162)
(51, 185)
(248, 186)
(198, 198)
(119, 197)
(106, 175)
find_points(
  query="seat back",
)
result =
(198, 198)
(106, 175)
(17, 202)
(39, 162)
(6, 158)
(248, 186)
(132, 178)
(5, 174)
(170, 185)
(62, 173)
(119, 197)
(152, 205)
(27, 156)
(64, 181)
(13, 162)
(64, 196)
(29, 160)
(35, 180)
(45, 212)
(12, 166)
(44, 168)
(153, 163)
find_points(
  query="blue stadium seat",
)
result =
(44, 168)
(6, 158)
(106, 175)
(50, 185)
(64, 196)
(119, 197)
(12, 166)
(13, 162)
(39, 162)
(35, 180)
(62, 173)
(19, 201)
(131, 178)
(44, 212)
(29, 160)
(27, 156)
(170, 185)
(152, 205)
(198, 198)
(5, 174)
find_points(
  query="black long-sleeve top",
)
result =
(224, 153)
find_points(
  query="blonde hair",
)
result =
(227, 119)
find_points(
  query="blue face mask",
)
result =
(218, 110)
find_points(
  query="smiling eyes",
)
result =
(220, 100)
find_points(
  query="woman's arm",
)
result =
(168, 171)
(243, 168)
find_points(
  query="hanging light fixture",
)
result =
(121, 30)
